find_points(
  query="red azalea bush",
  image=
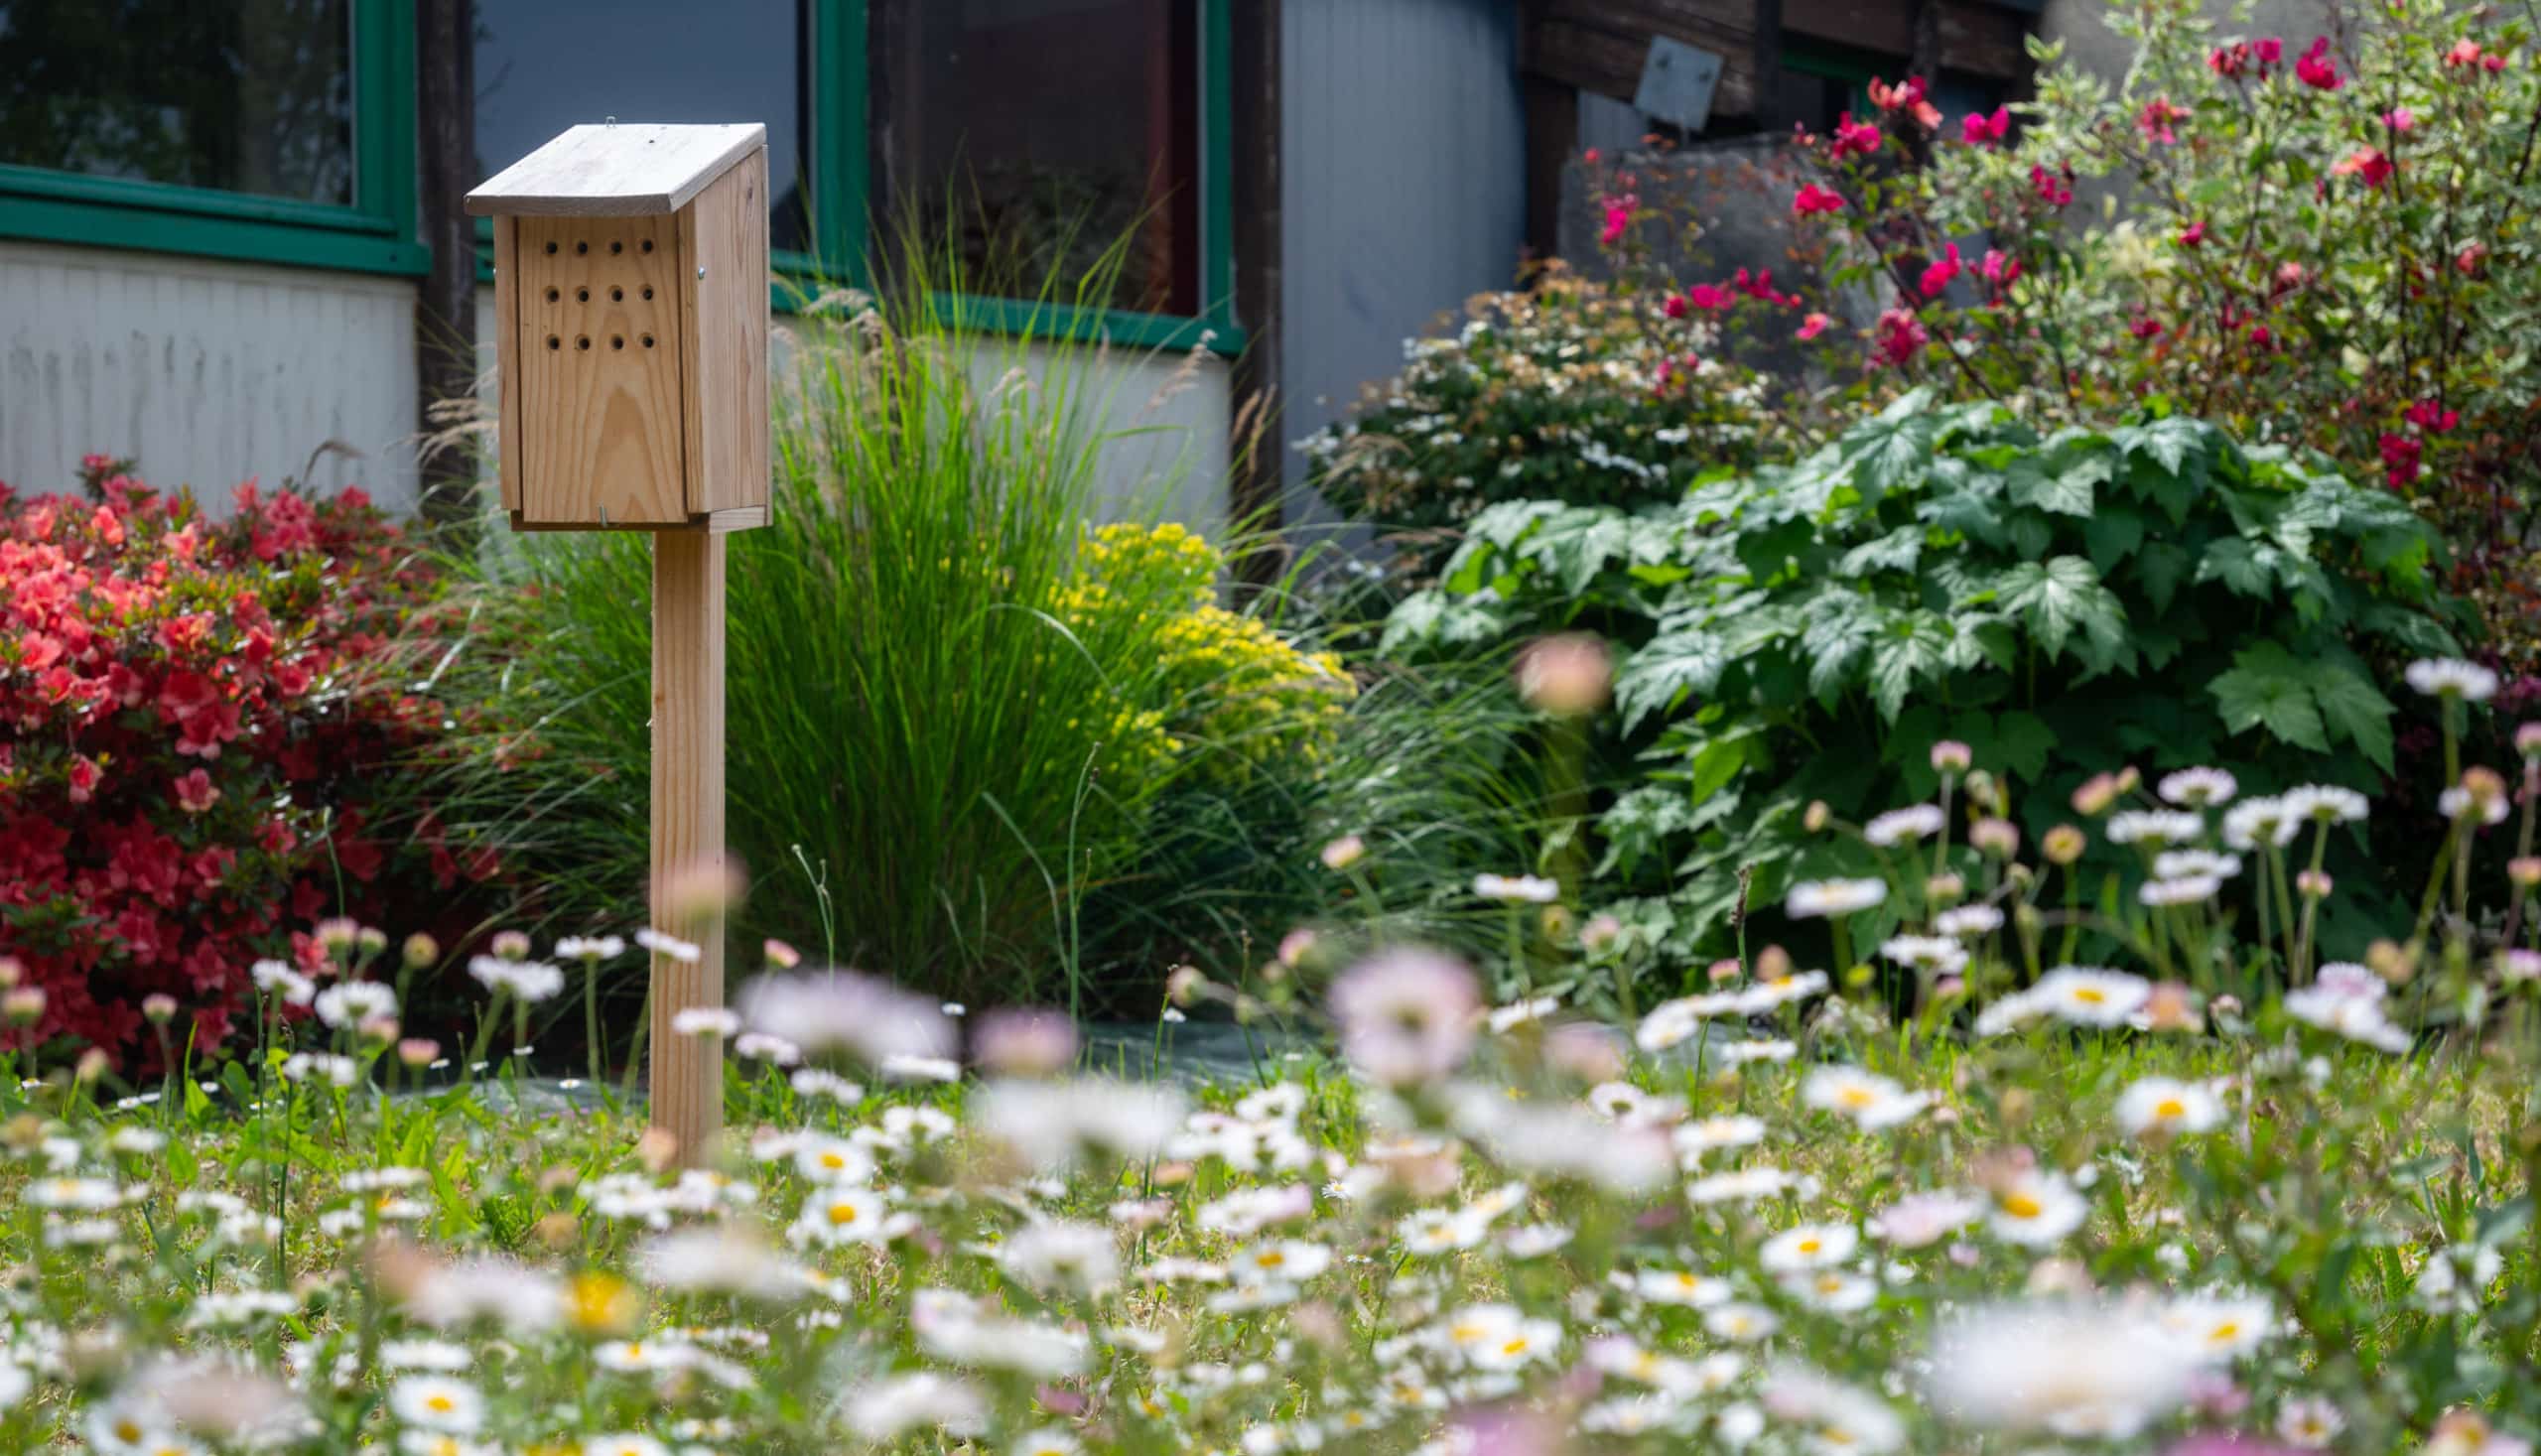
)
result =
(195, 720)
(2325, 241)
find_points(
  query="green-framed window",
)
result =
(1019, 105)
(277, 131)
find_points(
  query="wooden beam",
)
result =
(687, 1084)
(1608, 62)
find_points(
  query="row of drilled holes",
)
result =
(583, 340)
(583, 295)
(645, 246)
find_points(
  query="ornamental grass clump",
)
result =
(1987, 1199)
(954, 700)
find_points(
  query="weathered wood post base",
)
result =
(688, 830)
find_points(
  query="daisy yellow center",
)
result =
(1686, 1282)
(842, 1214)
(1465, 1334)
(1810, 1246)
(1830, 1283)
(832, 1160)
(1517, 1346)
(2023, 1206)
(439, 1404)
(1270, 1258)
(128, 1430)
(2223, 1333)
(1855, 1097)
(2089, 995)
(2170, 1107)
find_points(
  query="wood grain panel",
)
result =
(687, 1074)
(724, 334)
(602, 409)
(508, 359)
(1609, 64)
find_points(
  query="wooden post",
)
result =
(688, 828)
(630, 314)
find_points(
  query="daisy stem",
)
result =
(590, 1015)
(2285, 903)
(2522, 848)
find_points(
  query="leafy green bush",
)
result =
(1570, 391)
(2153, 594)
(948, 710)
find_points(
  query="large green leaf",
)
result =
(2063, 599)
(2269, 687)
(1665, 671)
(2353, 707)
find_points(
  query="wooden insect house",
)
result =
(630, 324)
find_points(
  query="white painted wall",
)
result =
(210, 373)
(207, 373)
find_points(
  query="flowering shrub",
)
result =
(1568, 391)
(2152, 594)
(1231, 692)
(2036, 1204)
(193, 727)
(2317, 240)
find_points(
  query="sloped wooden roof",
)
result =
(616, 170)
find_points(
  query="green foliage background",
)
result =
(2154, 593)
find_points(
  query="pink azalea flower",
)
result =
(1999, 268)
(1979, 130)
(2192, 234)
(1812, 325)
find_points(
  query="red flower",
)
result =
(1938, 273)
(1853, 136)
(2400, 455)
(1999, 268)
(1907, 96)
(2192, 234)
(195, 793)
(1984, 131)
(1674, 307)
(1618, 221)
(1815, 198)
(82, 781)
(1901, 335)
(1711, 298)
(2315, 69)
(2368, 164)
(2271, 50)
(1812, 325)
(2156, 118)
(2145, 328)
(2432, 417)
(2465, 54)
(2054, 188)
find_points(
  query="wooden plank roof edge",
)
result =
(566, 179)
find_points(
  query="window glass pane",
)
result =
(244, 95)
(543, 65)
(1027, 137)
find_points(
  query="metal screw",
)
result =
(701, 271)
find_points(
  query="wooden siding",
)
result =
(1402, 175)
(207, 373)
(1598, 44)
